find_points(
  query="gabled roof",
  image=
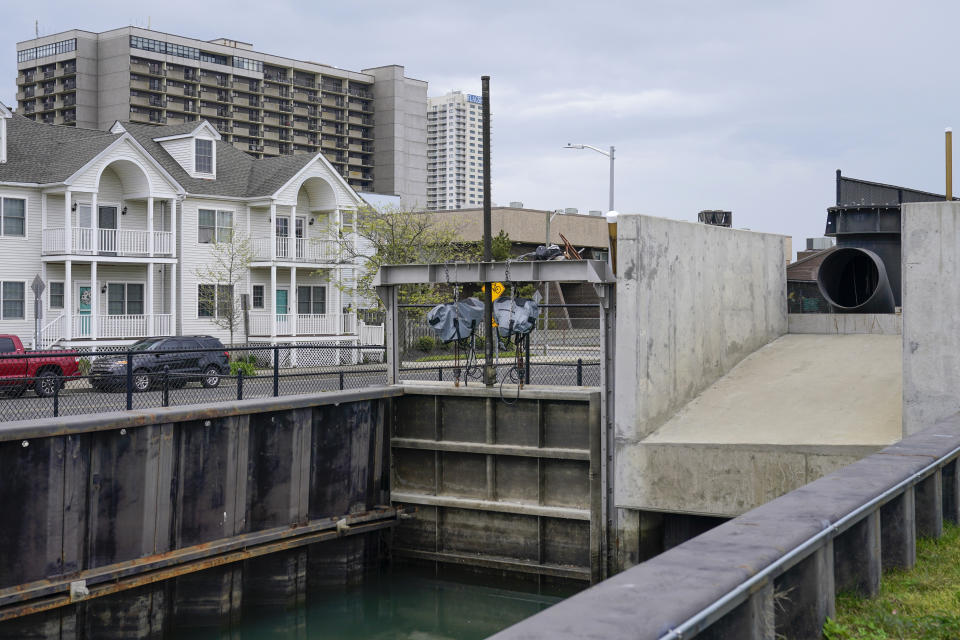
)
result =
(239, 175)
(4, 112)
(190, 129)
(43, 154)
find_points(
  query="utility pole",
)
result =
(489, 375)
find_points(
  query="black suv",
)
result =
(154, 356)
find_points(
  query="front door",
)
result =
(283, 237)
(84, 298)
(107, 224)
(282, 318)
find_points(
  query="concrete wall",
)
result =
(529, 226)
(931, 313)
(886, 324)
(693, 300)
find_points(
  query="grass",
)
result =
(921, 604)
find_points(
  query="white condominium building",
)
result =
(454, 151)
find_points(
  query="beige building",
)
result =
(370, 125)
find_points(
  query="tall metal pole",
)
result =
(611, 178)
(949, 151)
(489, 376)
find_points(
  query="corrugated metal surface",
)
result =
(852, 191)
(806, 270)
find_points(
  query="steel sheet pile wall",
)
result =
(182, 515)
(511, 487)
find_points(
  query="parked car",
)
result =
(182, 358)
(43, 371)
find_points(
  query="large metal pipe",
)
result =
(854, 280)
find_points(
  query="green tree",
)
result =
(220, 278)
(400, 236)
(500, 246)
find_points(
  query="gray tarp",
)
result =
(456, 320)
(515, 316)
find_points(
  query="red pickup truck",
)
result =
(41, 371)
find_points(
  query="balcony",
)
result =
(261, 323)
(298, 250)
(125, 326)
(111, 242)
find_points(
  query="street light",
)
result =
(609, 154)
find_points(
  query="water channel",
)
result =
(396, 603)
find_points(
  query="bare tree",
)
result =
(221, 278)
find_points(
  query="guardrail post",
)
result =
(276, 371)
(898, 532)
(526, 369)
(951, 492)
(856, 557)
(928, 509)
(129, 380)
(579, 372)
(341, 381)
(808, 595)
(166, 386)
(439, 374)
(751, 620)
(239, 384)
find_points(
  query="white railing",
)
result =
(51, 332)
(297, 249)
(163, 242)
(162, 324)
(123, 242)
(307, 324)
(371, 334)
(122, 326)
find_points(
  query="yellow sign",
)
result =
(496, 290)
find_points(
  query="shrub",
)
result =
(242, 364)
(426, 343)
(84, 365)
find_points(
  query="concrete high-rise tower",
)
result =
(454, 151)
(370, 124)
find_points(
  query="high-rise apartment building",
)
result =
(371, 124)
(454, 151)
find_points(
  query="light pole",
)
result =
(609, 154)
(546, 286)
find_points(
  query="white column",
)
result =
(149, 300)
(292, 238)
(174, 234)
(173, 299)
(94, 302)
(273, 230)
(68, 299)
(273, 300)
(292, 301)
(249, 214)
(43, 212)
(95, 223)
(67, 224)
(150, 226)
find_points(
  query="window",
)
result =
(214, 301)
(56, 295)
(258, 296)
(311, 300)
(214, 226)
(124, 299)
(13, 300)
(43, 51)
(13, 214)
(203, 161)
(7, 346)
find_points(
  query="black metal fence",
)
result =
(106, 381)
(565, 349)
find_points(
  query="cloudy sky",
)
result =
(743, 105)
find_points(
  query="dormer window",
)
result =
(203, 156)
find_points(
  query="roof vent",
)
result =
(516, 205)
(594, 212)
(716, 217)
(570, 210)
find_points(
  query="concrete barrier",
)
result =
(776, 569)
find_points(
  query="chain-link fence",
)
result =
(565, 349)
(70, 382)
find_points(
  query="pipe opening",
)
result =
(853, 279)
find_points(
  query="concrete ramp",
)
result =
(791, 412)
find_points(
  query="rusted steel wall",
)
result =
(183, 513)
(512, 486)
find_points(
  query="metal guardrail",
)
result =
(774, 571)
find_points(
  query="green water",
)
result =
(397, 604)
